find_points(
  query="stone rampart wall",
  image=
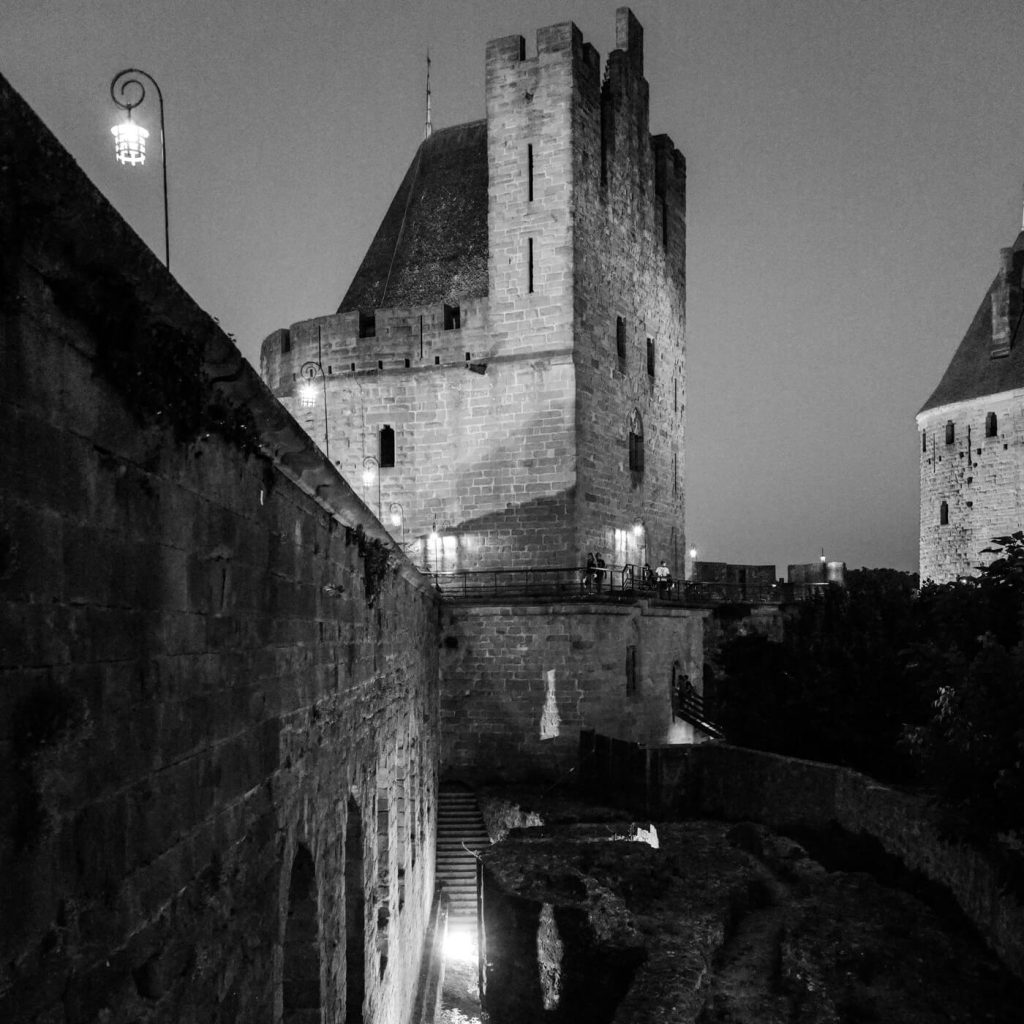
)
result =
(784, 792)
(518, 682)
(205, 678)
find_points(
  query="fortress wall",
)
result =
(518, 682)
(785, 792)
(203, 678)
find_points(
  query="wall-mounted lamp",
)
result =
(398, 517)
(130, 138)
(371, 469)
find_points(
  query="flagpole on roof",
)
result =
(427, 127)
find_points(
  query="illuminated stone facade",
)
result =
(516, 332)
(971, 435)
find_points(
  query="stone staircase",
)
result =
(460, 832)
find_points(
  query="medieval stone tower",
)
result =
(971, 435)
(506, 372)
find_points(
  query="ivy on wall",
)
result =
(376, 561)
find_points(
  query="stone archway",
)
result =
(301, 978)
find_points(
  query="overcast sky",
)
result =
(853, 168)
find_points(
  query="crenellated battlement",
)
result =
(403, 338)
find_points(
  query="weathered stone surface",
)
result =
(201, 658)
(726, 924)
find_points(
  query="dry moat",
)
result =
(731, 924)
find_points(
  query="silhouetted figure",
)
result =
(599, 574)
(591, 571)
(663, 577)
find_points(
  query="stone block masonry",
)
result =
(218, 705)
(518, 682)
(972, 485)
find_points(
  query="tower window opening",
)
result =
(529, 265)
(650, 357)
(353, 366)
(407, 364)
(620, 342)
(386, 446)
(529, 173)
(950, 432)
(636, 442)
(452, 317)
(944, 514)
(924, 441)
(380, 364)
(991, 424)
(437, 360)
(367, 325)
(286, 342)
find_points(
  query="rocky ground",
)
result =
(720, 924)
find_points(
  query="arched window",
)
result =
(636, 442)
(301, 979)
(944, 514)
(991, 424)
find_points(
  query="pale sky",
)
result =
(854, 167)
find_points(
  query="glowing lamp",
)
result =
(368, 475)
(693, 552)
(396, 519)
(307, 394)
(129, 142)
(638, 529)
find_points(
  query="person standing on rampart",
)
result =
(599, 574)
(663, 577)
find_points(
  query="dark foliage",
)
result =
(904, 684)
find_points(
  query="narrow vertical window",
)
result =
(386, 446)
(950, 432)
(675, 472)
(529, 173)
(991, 425)
(944, 514)
(675, 395)
(924, 441)
(529, 264)
(630, 670)
(636, 442)
(650, 357)
(620, 342)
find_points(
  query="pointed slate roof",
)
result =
(432, 244)
(972, 373)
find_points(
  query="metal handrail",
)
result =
(613, 582)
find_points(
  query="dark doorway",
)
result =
(301, 988)
(355, 917)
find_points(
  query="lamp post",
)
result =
(310, 372)
(435, 537)
(130, 138)
(371, 468)
(398, 517)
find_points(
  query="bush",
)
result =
(900, 683)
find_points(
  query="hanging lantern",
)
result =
(129, 142)
(307, 394)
